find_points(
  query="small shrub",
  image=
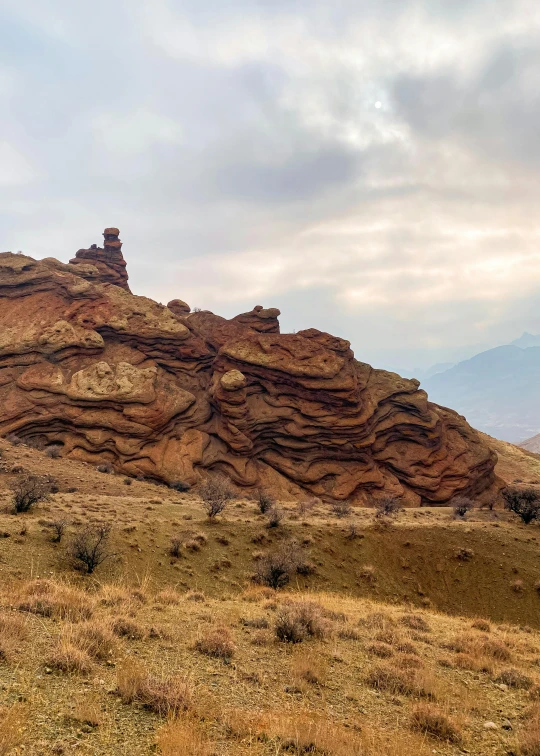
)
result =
(217, 643)
(390, 680)
(387, 506)
(14, 440)
(275, 517)
(94, 637)
(48, 599)
(367, 573)
(175, 547)
(70, 658)
(524, 502)
(461, 506)
(518, 586)
(265, 502)
(28, 490)
(124, 627)
(89, 547)
(164, 696)
(382, 650)
(216, 493)
(195, 596)
(464, 555)
(275, 569)
(482, 624)
(180, 486)
(415, 622)
(58, 528)
(430, 721)
(53, 452)
(106, 467)
(299, 620)
(128, 482)
(341, 508)
(179, 736)
(514, 679)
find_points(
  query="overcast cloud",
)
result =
(371, 168)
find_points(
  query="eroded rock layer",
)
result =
(171, 394)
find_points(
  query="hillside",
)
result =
(498, 391)
(421, 630)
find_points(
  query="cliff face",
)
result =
(170, 394)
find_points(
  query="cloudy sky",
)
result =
(370, 167)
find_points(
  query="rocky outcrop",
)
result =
(172, 394)
(108, 259)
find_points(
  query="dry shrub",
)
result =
(56, 600)
(472, 663)
(215, 494)
(431, 721)
(481, 624)
(88, 710)
(164, 696)
(348, 632)
(415, 622)
(367, 573)
(90, 547)
(387, 506)
(94, 637)
(70, 658)
(378, 621)
(182, 736)
(408, 661)
(113, 595)
(341, 508)
(518, 586)
(175, 547)
(298, 620)
(275, 568)
(514, 679)
(13, 632)
(218, 643)
(529, 741)
(168, 597)
(124, 627)
(309, 667)
(382, 650)
(12, 721)
(461, 505)
(195, 596)
(28, 490)
(394, 681)
(496, 649)
(265, 502)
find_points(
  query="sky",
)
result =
(370, 168)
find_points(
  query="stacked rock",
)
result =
(108, 260)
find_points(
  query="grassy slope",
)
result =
(251, 704)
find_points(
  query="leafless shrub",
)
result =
(514, 679)
(276, 567)
(90, 546)
(461, 505)
(58, 528)
(14, 440)
(216, 493)
(28, 490)
(341, 508)
(175, 547)
(430, 721)
(218, 642)
(524, 502)
(164, 696)
(265, 502)
(275, 517)
(298, 620)
(53, 452)
(387, 506)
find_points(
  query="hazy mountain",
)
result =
(532, 444)
(498, 390)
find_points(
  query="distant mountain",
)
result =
(531, 444)
(498, 390)
(527, 340)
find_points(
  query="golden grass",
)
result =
(163, 695)
(12, 722)
(182, 736)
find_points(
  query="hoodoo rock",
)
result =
(172, 395)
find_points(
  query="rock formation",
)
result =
(172, 395)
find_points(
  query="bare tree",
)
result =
(89, 546)
(525, 502)
(387, 506)
(58, 528)
(28, 489)
(215, 494)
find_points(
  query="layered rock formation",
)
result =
(172, 395)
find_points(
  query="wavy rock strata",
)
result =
(170, 394)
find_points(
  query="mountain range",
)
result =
(498, 390)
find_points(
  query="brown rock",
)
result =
(169, 394)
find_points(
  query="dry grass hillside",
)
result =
(415, 635)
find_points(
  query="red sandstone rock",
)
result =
(170, 394)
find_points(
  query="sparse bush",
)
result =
(14, 440)
(276, 567)
(514, 679)
(461, 505)
(28, 490)
(128, 482)
(524, 502)
(164, 696)
(341, 508)
(216, 493)
(275, 517)
(217, 643)
(430, 721)
(387, 506)
(58, 528)
(175, 547)
(106, 467)
(299, 620)
(180, 486)
(54, 452)
(265, 502)
(90, 547)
